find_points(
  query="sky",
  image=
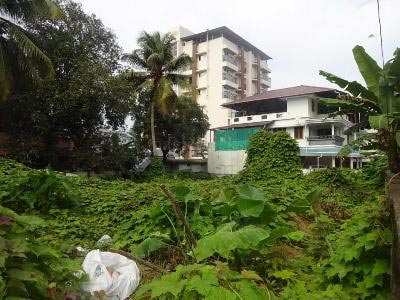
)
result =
(301, 36)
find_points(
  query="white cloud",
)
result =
(302, 36)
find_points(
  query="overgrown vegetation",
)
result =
(321, 236)
(271, 155)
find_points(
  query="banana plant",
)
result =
(379, 99)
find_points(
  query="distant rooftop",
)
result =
(280, 94)
(228, 34)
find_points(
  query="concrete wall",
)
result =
(225, 162)
(298, 107)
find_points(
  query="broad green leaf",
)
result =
(224, 241)
(250, 207)
(220, 293)
(369, 69)
(283, 274)
(248, 290)
(354, 88)
(296, 236)
(378, 122)
(181, 191)
(148, 246)
(380, 267)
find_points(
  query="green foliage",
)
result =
(154, 170)
(357, 265)
(271, 155)
(28, 267)
(375, 171)
(289, 237)
(59, 119)
(225, 240)
(19, 56)
(378, 103)
(205, 282)
(40, 190)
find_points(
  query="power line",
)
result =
(380, 31)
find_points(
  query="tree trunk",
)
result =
(393, 156)
(153, 133)
(394, 199)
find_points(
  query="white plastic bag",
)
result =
(112, 273)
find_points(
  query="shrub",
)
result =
(29, 268)
(271, 155)
(41, 190)
(375, 171)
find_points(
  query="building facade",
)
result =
(225, 68)
(296, 110)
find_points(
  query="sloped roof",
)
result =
(243, 125)
(283, 93)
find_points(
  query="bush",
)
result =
(376, 170)
(271, 155)
(41, 190)
(29, 268)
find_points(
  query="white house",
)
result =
(297, 111)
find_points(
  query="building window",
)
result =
(236, 120)
(264, 117)
(249, 118)
(298, 133)
(312, 105)
(278, 129)
(199, 92)
(279, 115)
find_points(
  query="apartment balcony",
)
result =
(227, 45)
(230, 61)
(202, 48)
(325, 140)
(264, 66)
(229, 79)
(229, 95)
(265, 81)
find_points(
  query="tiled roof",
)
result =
(283, 93)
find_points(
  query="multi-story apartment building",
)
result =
(225, 68)
(296, 110)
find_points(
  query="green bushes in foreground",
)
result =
(321, 236)
(271, 155)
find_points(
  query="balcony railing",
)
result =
(230, 58)
(228, 94)
(229, 76)
(264, 76)
(326, 140)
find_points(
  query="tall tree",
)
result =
(182, 127)
(379, 100)
(19, 56)
(155, 71)
(85, 95)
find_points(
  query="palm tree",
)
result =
(379, 100)
(19, 56)
(156, 70)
